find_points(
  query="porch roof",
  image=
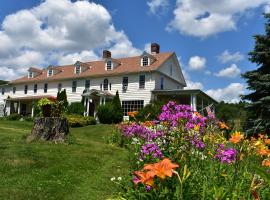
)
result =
(28, 98)
(99, 93)
(184, 92)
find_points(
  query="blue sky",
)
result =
(211, 38)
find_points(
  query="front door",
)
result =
(91, 109)
(23, 109)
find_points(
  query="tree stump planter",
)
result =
(49, 129)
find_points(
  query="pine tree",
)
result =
(259, 83)
(118, 112)
(62, 96)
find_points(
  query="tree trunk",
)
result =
(49, 129)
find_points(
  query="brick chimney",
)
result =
(106, 54)
(155, 48)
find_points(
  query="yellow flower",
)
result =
(236, 137)
(222, 125)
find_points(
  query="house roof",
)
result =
(97, 69)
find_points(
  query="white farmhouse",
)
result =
(139, 80)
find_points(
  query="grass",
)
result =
(58, 171)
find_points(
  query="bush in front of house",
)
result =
(14, 117)
(118, 112)
(149, 112)
(80, 121)
(76, 108)
(105, 113)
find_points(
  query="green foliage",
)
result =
(231, 113)
(80, 121)
(105, 113)
(149, 112)
(62, 96)
(259, 84)
(13, 117)
(76, 108)
(118, 112)
(44, 102)
(3, 82)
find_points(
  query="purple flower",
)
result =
(148, 188)
(226, 155)
(150, 149)
(197, 142)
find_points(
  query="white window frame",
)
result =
(77, 71)
(30, 74)
(111, 65)
(50, 73)
(143, 61)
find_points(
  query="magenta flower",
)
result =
(150, 150)
(226, 155)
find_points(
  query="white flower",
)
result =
(119, 178)
(113, 179)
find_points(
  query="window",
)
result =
(3, 91)
(125, 83)
(162, 83)
(50, 72)
(100, 86)
(45, 87)
(87, 84)
(109, 65)
(145, 61)
(105, 84)
(129, 106)
(35, 88)
(25, 89)
(110, 86)
(77, 69)
(30, 74)
(74, 86)
(142, 82)
(59, 87)
(14, 90)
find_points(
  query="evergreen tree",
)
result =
(62, 96)
(259, 83)
(118, 112)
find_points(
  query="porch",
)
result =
(197, 99)
(23, 105)
(93, 98)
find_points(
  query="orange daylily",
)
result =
(222, 125)
(263, 151)
(132, 114)
(267, 141)
(197, 114)
(266, 162)
(144, 177)
(148, 123)
(161, 169)
(236, 137)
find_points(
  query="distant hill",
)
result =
(3, 82)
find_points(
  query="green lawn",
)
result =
(58, 171)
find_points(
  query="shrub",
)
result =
(105, 114)
(62, 96)
(28, 119)
(14, 117)
(118, 112)
(76, 108)
(80, 121)
(149, 112)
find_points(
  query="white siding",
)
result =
(133, 92)
(169, 84)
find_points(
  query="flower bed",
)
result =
(184, 155)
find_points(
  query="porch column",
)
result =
(19, 107)
(100, 100)
(104, 100)
(193, 102)
(87, 104)
(32, 112)
(84, 114)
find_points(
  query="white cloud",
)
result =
(226, 57)
(230, 72)
(54, 31)
(158, 6)
(209, 17)
(73, 57)
(267, 8)
(197, 63)
(191, 84)
(230, 94)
